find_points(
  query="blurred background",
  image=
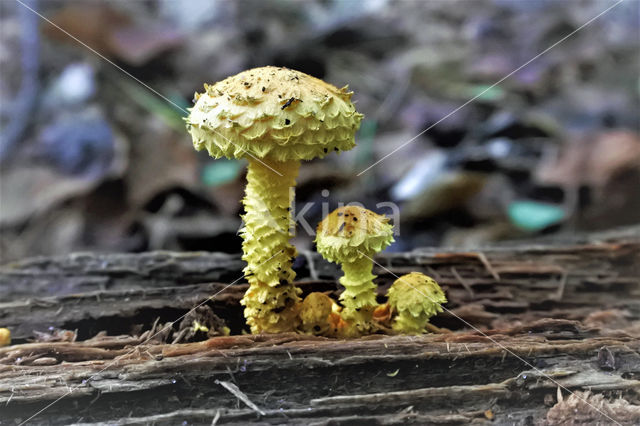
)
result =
(91, 159)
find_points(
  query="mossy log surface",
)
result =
(547, 317)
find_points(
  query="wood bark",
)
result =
(530, 324)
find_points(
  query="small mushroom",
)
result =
(351, 236)
(274, 118)
(315, 314)
(415, 298)
(5, 337)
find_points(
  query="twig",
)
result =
(240, 395)
(214, 422)
(180, 335)
(434, 273)
(561, 286)
(436, 330)
(487, 265)
(462, 281)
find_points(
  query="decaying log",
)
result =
(95, 292)
(547, 320)
(449, 378)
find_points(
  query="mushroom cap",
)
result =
(273, 112)
(351, 232)
(416, 294)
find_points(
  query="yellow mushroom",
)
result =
(351, 236)
(5, 337)
(274, 118)
(415, 298)
(315, 314)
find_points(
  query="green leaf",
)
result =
(487, 93)
(220, 171)
(534, 216)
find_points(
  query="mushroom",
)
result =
(274, 118)
(315, 314)
(351, 236)
(5, 337)
(416, 298)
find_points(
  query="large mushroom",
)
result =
(274, 118)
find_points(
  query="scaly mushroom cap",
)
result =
(273, 112)
(416, 294)
(350, 233)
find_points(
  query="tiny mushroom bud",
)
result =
(351, 236)
(5, 337)
(315, 314)
(274, 118)
(415, 298)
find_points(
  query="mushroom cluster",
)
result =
(273, 117)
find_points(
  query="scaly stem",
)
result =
(406, 323)
(359, 296)
(270, 302)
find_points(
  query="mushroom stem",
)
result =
(405, 323)
(359, 296)
(270, 302)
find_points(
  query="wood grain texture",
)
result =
(546, 316)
